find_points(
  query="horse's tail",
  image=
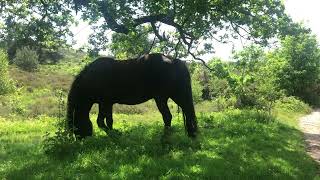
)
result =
(184, 121)
(71, 106)
(189, 116)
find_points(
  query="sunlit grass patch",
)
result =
(231, 145)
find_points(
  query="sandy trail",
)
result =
(310, 125)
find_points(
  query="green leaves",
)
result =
(300, 74)
(26, 59)
(131, 45)
(6, 84)
(38, 24)
(187, 23)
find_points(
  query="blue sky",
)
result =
(306, 11)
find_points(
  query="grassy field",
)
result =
(232, 145)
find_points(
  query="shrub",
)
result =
(292, 104)
(61, 144)
(218, 104)
(26, 59)
(197, 88)
(6, 84)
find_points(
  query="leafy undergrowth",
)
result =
(289, 109)
(232, 145)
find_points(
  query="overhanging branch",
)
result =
(185, 37)
(111, 22)
(199, 59)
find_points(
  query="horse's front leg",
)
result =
(105, 112)
(109, 118)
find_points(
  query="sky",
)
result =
(306, 11)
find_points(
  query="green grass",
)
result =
(232, 145)
(44, 78)
(288, 111)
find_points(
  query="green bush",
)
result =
(292, 104)
(27, 59)
(218, 104)
(299, 75)
(197, 88)
(6, 84)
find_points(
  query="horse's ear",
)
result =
(175, 60)
(144, 56)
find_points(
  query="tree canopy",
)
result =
(179, 27)
(39, 24)
(300, 75)
(188, 23)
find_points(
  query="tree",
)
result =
(43, 25)
(243, 77)
(301, 70)
(253, 78)
(219, 85)
(121, 46)
(197, 88)
(6, 84)
(190, 22)
(212, 84)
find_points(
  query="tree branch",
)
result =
(45, 6)
(199, 59)
(112, 23)
(156, 32)
(151, 46)
(186, 38)
(176, 49)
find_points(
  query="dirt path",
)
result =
(310, 125)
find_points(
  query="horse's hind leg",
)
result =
(186, 103)
(83, 125)
(162, 104)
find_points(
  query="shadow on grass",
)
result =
(228, 147)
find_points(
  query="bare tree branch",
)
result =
(151, 46)
(45, 6)
(199, 59)
(176, 49)
(156, 32)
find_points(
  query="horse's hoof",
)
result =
(114, 133)
(192, 135)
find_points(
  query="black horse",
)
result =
(107, 81)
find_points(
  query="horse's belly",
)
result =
(132, 93)
(130, 100)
